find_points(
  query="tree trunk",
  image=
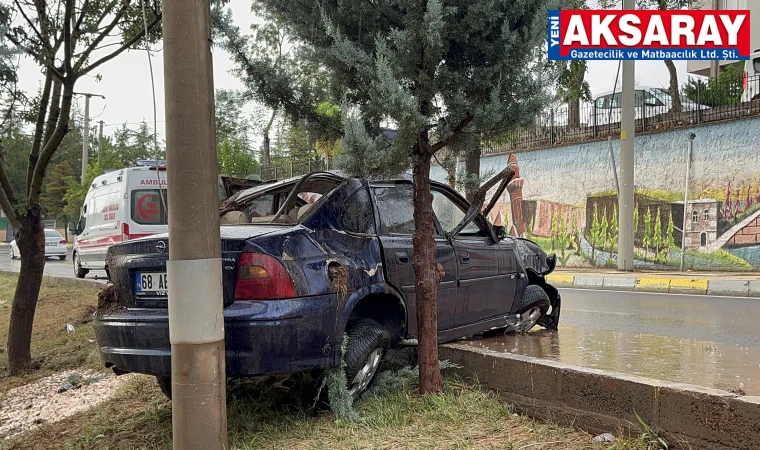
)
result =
(427, 276)
(472, 165)
(31, 244)
(574, 112)
(266, 148)
(677, 107)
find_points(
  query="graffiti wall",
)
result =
(565, 199)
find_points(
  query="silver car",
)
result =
(55, 245)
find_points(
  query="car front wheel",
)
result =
(368, 342)
(535, 304)
(79, 272)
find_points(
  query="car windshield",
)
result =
(52, 234)
(662, 94)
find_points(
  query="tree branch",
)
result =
(55, 111)
(43, 41)
(101, 36)
(26, 49)
(51, 145)
(118, 51)
(68, 11)
(454, 134)
(78, 25)
(39, 128)
(6, 203)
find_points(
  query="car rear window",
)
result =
(147, 207)
(52, 234)
(357, 215)
(396, 209)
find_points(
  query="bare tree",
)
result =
(68, 39)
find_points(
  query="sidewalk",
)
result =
(720, 284)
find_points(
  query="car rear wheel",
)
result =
(79, 272)
(368, 342)
(165, 383)
(535, 303)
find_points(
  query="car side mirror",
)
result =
(500, 231)
(73, 228)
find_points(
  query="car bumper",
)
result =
(55, 251)
(261, 338)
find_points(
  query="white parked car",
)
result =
(751, 80)
(55, 245)
(648, 102)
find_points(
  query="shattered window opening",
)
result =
(450, 214)
(357, 215)
(396, 209)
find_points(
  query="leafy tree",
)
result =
(647, 241)
(661, 5)
(595, 233)
(234, 160)
(613, 230)
(440, 70)
(635, 220)
(726, 89)
(604, 229)
(670, 241)
(74, 197)
(56, 186)
(67, 39)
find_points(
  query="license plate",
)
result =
(51, 244)
(152, 284)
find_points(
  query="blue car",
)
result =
(310, 259)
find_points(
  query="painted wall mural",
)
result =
(564, 198)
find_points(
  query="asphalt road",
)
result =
(53, 266)
(695, 339)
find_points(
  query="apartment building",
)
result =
(703, 67)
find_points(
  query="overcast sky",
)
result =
(126, 80)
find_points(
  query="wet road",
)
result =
(702, 340)
(53, 267)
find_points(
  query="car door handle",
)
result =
(464, 258)
(402, 258)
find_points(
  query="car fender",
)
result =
(355, 297)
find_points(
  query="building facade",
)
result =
(703, 67)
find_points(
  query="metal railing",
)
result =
(725, 98)
(283, 168)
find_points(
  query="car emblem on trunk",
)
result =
(161, 246)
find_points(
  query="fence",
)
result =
(286, 168)
(725, 98)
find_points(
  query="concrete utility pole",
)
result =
(691, 137)
(196, 323)
(86, 132)
(715, 65)
(100, 140)
(625, 195)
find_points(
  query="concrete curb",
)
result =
(65, 281)
(694, 286)
(598, 401)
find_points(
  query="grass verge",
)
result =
(53, 348)
(462, 417)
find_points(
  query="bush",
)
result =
(726, 89)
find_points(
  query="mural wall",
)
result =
(565, 199)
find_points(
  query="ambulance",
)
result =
(120, 205)
(751, 80)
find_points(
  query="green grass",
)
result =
(53, 349)
(655, 194)
(464, 416)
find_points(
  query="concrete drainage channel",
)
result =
(598, 401)
(694, 286)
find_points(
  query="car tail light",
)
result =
(262, 277)
(124, 232)
(63, 242)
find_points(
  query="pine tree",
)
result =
(595, 226)
(614, 231)
(670, 241)
(635, 221)
(657, 238)
(647, 239)
(444, 73)
(56, 186)
(604, 229)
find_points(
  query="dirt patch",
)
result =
(88, 315)
(54, 398)
(107, 303)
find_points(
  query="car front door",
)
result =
(487, 270)
(396, 217)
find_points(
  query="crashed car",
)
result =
(311, 259)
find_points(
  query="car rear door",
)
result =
(396, 216)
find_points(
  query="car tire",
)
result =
(165, 384)
(62, 257)
(79, 272)
(535, 304)
(368, 343)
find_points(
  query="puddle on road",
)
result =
(716, 365)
